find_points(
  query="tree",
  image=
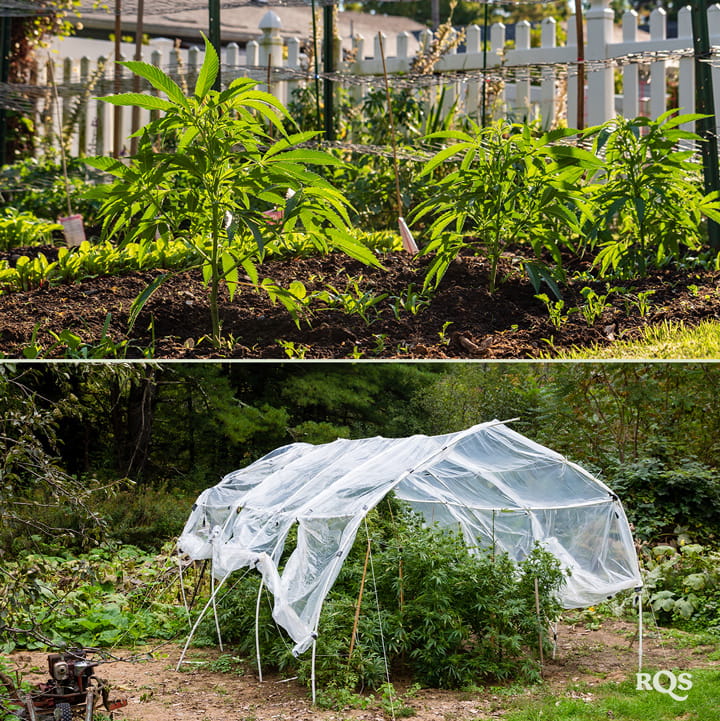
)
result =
(36, 491)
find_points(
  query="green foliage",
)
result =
(447, 616)
(510, 187)
(661, 496)
(107, 597)
(37, 186)
(19, 228)
(202, 170)
(649, 198)
(682, 586)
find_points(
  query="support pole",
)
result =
(135, 122)
(5, 51)
(312, 673)
(329, 67)
(210, 602)
(215, 38)
(706, 127)
(316, 63)
(540, 633)
(257, 631)
(580, 33)
(638, 600)
(215, 613)
(117, 110)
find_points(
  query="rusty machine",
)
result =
(72, 691)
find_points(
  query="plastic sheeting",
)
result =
(493, 483)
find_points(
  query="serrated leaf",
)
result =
(208, 71)
(158, 79)
(149, 102)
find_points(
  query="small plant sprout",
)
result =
(555, 310)
(595, 305)
(211, 167)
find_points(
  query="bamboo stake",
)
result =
(540, 634)
(135, 121)
(359, 601)
(579, 31)
(408, 240)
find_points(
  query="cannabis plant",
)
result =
(219, 170)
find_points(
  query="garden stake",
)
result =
(407, 238)
(638, 600)
(257, 630)
(540, 635)
(117, 80)
(359, 602)
(135, 121)
(72, 224)
(581, 65)
(317, 68)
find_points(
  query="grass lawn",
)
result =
(666, 341)
(623, 702)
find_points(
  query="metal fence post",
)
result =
(704, 103)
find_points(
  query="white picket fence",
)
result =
(548, 93)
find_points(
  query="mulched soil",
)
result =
(463, 320)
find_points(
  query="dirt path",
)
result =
(157, 692)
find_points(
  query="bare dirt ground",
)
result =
(463, 320)
(157, 692)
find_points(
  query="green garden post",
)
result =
(5, 50)
(214, 37)
(329, 66)
(704, 103)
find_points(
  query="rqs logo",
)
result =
(664, 682)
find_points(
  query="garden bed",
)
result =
(89, 318)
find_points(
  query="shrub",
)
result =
(658, 498)
(109, 596)
(448, 617)
(683, 586)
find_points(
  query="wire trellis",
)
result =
(22, 8)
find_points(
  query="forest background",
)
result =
(120, 451)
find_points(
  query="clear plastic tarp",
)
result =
(491, 482)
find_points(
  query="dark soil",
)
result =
(462, 321)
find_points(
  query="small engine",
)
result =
(72, 685)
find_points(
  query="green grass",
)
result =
(623, 702)
(666, 341)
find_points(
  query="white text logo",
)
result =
(664, 682)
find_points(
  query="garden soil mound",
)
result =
(156, 692)
(463, 320)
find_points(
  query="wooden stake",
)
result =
(540, 634)
(359, 601)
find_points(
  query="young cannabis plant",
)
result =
(212, 166)
(507, 186)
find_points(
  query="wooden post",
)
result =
(580, 39)
(135, 122)
(117, 110)
(540, 634)
(359, 601)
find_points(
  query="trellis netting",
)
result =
(495, 485)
